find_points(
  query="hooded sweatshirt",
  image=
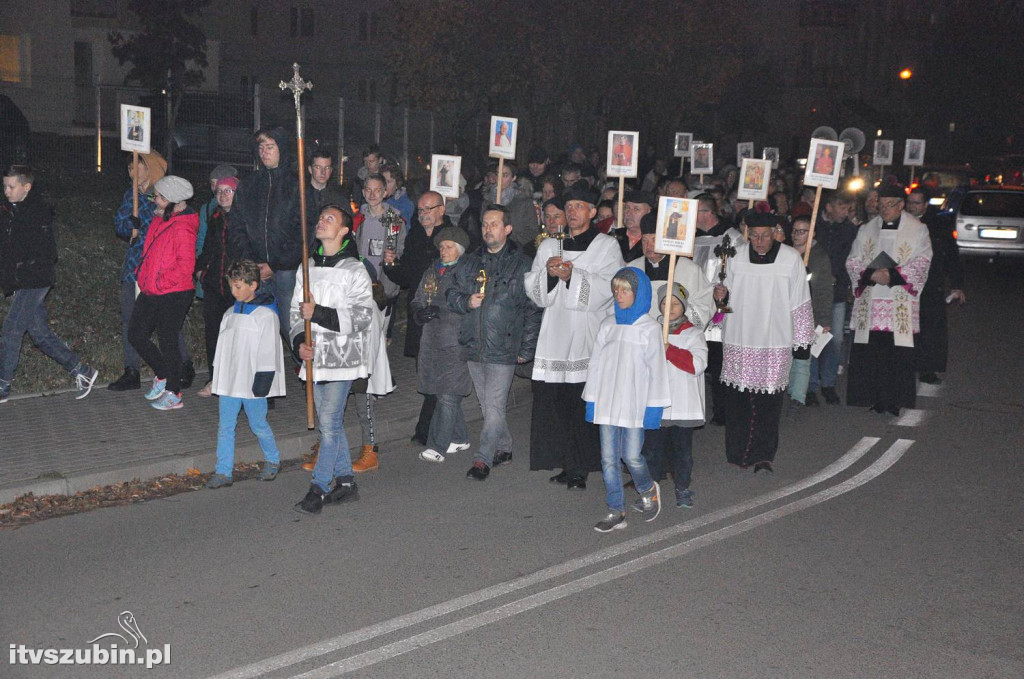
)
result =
(628, 381)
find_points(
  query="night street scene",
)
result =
(470, 339)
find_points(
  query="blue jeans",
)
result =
(825, 368)
(625, 444)
(448, 423)
(492, 382)
(131, 357)
(282, 285)
(256, 411)
(335, 459)
(28, 314)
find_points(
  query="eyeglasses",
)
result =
(225, 190)
(425, 210)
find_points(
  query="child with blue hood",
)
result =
(626, 392)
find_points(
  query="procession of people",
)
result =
(526, 278)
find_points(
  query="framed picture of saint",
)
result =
(702, 160)
(883, 152)
(824, 163)
(623, 153)
(676, 226)
(135, 128)
(681, 149)
(744, 150)
(913, 152)
(502, 138)
(771, 153)
(445, 172)
(755, 176)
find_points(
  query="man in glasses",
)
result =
(888, 266)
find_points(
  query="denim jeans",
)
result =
(335, 459)
(825, 368)
(670, 446)
(282, 285)
(799, 373)
(256, 412)
(28, 314)
(622, 443)
(492, 382)
(131, 357)
(448, 423)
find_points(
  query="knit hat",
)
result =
(174, 188)
(678, 291)
(222, 171)
(156, 164)
(453, 233)
(231, 182)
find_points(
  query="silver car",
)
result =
(989, 221)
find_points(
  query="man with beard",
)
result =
(571, 281)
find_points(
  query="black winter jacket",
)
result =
(217, 254)
(506, 325)
(28, 249)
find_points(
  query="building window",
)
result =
(306, 27)
(254, 21)
(14, 50)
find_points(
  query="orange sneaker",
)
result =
(310, 463)
(367, 461)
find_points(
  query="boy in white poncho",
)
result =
(627, 392)
(249, 369)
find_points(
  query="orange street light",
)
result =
(906, 74)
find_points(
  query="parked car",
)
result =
(989, 220)
(14, 133)
(941, 179)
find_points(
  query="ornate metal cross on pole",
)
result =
(297, 85)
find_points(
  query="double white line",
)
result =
(527, 603)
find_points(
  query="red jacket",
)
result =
(169, 254)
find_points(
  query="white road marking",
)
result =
(473, 622)
(932, 390)
(326, 646)
(911, 417)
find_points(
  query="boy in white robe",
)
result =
(249, 369)
(626, 393)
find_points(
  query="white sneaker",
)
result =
(85, 382)
(457, 447)
(431, 455)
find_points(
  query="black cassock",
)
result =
(931, 344)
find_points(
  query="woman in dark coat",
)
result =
(440, 369)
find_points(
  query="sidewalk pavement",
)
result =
(56, 445)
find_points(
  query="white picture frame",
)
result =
(913, 152)
(883, 152)
(824, 163)
(623, 153)
(445, 172)
(702, 158)
(136, 127)
(683, 142)
(771, 153)
(745, 149)
(755, 178)
(676, 231)
(502, 142)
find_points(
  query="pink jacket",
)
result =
(169, 254)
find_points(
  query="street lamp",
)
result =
(906, 74)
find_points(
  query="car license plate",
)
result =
(998, 233)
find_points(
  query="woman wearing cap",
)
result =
(164, 276)
(210, 268)
(441, 370)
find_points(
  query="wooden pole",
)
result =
(668, 297)
(814, 220)
(135, 187)
(911, 174)
(497, 186)
(622, 191)
(701, 180)
(682, 166)
(746, 229)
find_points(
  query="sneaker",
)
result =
(345, 490)
(431, 455)
(218, 481)
(188, 374)
(478, 471)
(169, 401)
(129, 379)
(5, 393)
(367, 461)
(684, 498)
(269, 471)
(84, 380)
(501, 457)
(157, 390)
(457, 448)
(614, 521)
(206, 391)
(651, 503)
(313, 502)
(831, 397)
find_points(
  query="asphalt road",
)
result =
(877, 549)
